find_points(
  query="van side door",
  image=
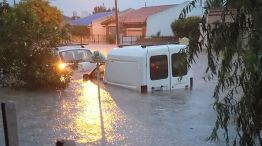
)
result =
(180, 73)
(158, 72)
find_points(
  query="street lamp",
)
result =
(117, 31)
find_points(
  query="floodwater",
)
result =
(119, 117)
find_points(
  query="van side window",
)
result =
(158, 67)
(179, 64)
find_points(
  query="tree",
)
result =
(99, 9)
(45, 13)
(4, 6)
(26, 43)
(234, 55)
(188, 27)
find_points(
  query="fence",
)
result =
(124, 40)
(10, 126)
(89, 39)
(131, 40)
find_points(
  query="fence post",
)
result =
(98, 39)
(9, 123)
(65, 143)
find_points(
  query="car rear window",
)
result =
(75, 55)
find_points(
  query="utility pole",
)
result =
(14, 2)
(117, 30)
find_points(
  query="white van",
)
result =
(149, 68)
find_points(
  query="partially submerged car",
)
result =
(75, 57)
(149, 68)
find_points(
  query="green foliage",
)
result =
(26, 49)
(234, 55)
(188, 27)
(99, 9)
(45, 13)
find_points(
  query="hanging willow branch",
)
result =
(234, 50)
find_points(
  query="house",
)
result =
(110, 24)
(160, 23)
(216, 16)
(93, 22)
(134, 22)
(148, 21)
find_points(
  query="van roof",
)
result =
(136, 52)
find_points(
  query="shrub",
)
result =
(26, 52)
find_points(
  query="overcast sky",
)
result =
(83, 7)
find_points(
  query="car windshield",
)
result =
(77, 55)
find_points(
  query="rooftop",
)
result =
(89, 19)
(140, 15)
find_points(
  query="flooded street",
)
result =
(120, 117)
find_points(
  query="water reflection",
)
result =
(95, 119)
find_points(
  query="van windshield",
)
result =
(77, 55)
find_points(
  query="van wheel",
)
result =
(86, 77)
(191, 83)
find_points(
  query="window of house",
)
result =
(158, 67)
(179, 64)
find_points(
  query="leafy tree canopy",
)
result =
(26, 52)
(99, 9)
(45, 13)
(188, 27)
(234, 55)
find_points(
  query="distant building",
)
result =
(93, 22)
(86, 21)
(161, 22)
(110, 24)
(134, 23)
(148, 21)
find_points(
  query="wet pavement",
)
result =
(120, 117)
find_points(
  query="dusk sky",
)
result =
(83, 7)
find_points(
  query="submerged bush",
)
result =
(26, 46)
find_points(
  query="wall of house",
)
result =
(215, 16)
(97, 28)
(161, 22)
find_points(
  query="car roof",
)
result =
(71, 47)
